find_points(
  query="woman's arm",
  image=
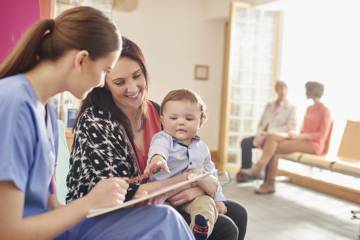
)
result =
(181, 195)
(263, 120)
(100, 151)
(152, 186)
(53, 202)
(186, 193)
(44, 226)
(53, 223)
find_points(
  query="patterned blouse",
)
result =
(101, 149)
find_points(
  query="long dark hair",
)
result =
(82, 28)
(101, 96)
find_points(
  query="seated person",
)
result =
(315, 131)
(179, 147)
(278, 117)
(72, 52)
(113, 133)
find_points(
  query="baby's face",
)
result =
(181, 119)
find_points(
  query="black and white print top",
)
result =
(101, 150)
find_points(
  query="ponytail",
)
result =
(80, 28)
(26, 53)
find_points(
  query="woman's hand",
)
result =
(292, 135)
(221, 207)
(185, 196)
(156, 164)
(107, 193)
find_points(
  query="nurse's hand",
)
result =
(107, 193)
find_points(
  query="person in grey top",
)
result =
(279, 117)
(178, 148)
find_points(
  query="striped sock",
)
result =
(200, 229)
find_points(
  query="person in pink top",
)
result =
(311, 139)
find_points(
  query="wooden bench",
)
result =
(348, 191)
(334, 164)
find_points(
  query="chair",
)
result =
(328, 139)
(349, 147)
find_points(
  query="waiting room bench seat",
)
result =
(346, 186)
(350, 168)
(334, 164)
(316, 182)
(316, 160)
(295, 157)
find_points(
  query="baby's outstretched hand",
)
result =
(156, 164)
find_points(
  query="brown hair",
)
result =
(102, 98)
(314, 89)
(185, 95)
(82, 28)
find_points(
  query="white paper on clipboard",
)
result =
(97, 212)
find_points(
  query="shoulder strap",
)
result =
(157, 106)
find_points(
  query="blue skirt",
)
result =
(137, 223)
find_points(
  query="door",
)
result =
(251, 68)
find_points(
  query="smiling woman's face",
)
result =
(127, 84)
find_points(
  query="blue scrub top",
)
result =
(28, 146)
(28, 142)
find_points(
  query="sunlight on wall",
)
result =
(321, 41)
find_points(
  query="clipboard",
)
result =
(100, 211)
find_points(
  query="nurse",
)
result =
(71, 53)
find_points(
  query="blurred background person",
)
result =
(312, 139)
(279, 117)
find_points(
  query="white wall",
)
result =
(174, 36)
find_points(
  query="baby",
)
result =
(178, 148)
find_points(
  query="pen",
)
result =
(141, 177)
(138, 178)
